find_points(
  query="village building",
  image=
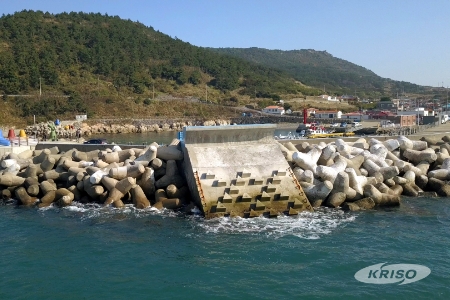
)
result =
(328, 114)
(329, 98)
(403, 120)
(273, 109)
(421, 111)
(379, 115)
(353, 116)
(387, 106)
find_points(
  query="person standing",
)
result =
(78, 134)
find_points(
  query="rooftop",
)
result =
(326, 111)
(274, 106)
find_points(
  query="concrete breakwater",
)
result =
(144, 177)
(217, 169)
(364, 174)
(231, 170)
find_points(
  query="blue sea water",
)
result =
(87, 252)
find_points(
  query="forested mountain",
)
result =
(97, 64)
(59, 48)
(322, 70)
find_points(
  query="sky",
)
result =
(405, 40)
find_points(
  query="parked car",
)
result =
(334, 125)
(96, 141)
(343, 124)
(356, 124)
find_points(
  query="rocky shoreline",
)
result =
(68, 129)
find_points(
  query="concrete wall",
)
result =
(227, 134)
(14, 149)
(238, 171)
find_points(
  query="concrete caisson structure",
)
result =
(239, 170)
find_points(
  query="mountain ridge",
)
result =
(322, 70)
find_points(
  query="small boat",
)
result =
(317, 130)
(290, 136)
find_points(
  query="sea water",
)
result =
(92, 252)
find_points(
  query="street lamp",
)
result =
(446, 106)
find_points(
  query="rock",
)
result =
(336, 199)
(350, 206)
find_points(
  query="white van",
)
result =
(356, 124)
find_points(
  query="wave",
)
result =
(306, 225)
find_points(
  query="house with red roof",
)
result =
(380, 114)
(274, 109)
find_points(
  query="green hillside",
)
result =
(324, 71)
(94, 58)
(70, 63)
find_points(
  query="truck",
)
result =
(386, 123)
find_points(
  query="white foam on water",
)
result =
(75, 208)
(99, 212)
(306, 225)
(46, 208)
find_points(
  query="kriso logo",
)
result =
(385, 274)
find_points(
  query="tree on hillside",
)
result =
(47, 46)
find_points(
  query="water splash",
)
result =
(306, 225)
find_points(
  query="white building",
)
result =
(80, 118)
(417, 112)
(276, 110)
(328, 114)
(354, 116)
(329, 98)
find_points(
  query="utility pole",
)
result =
(417, 107)
(40, 87)
(206, 92)
(153, 88)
